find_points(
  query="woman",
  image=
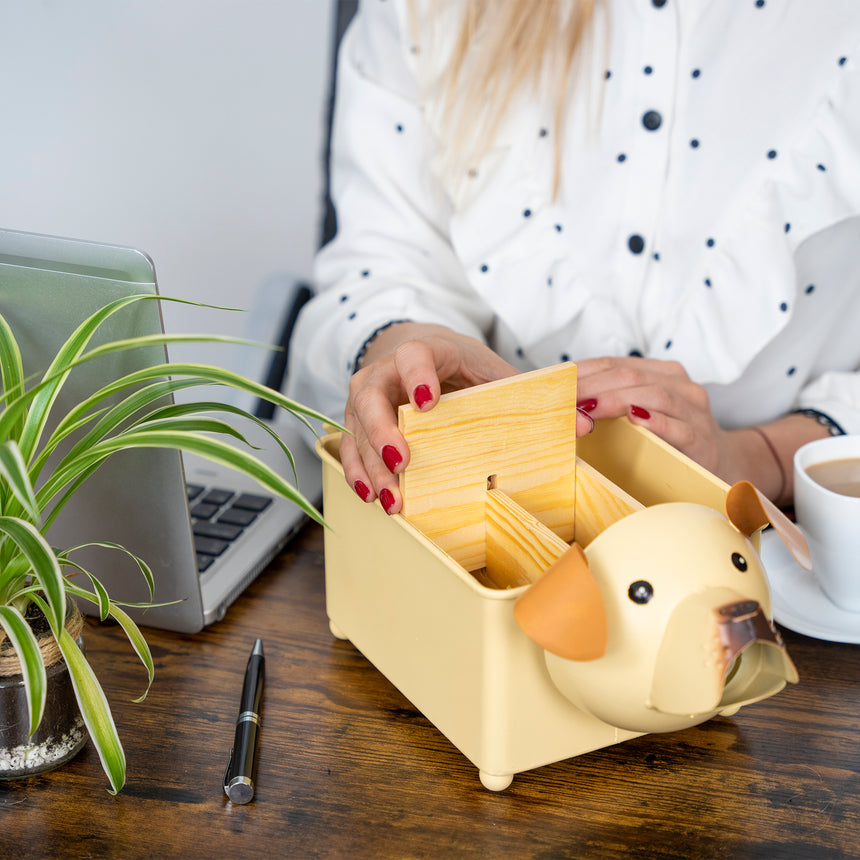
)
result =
(666, 192)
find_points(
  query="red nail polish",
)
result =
(639, 412)
(386, 499)
(422, 395)
(391, 457)
(361, 490)
(588, 405)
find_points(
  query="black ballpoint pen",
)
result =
(239, 777)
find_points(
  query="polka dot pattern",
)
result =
(675, 121)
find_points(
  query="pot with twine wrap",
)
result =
(62, 734)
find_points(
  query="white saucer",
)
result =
(798, 601)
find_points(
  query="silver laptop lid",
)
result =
(137, 499)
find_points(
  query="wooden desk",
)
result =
(348, 769)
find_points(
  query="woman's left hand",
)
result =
(660, 396)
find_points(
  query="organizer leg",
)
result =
(336, 631)
(496, 781)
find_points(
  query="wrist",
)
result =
(764, 454)
(752, 456)
(385, 339)
(375, 344)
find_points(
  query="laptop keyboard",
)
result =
(218, 517)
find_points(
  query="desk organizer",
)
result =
(540, 596)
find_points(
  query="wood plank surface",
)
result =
(521, 431)
(348, 769)
(599, 503)
(519, 547)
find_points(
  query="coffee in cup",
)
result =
(827, 506)
(839, 476)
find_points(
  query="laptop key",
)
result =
(221, 531)
(204, 511)
(218, 497)
(193, 491)
(237, 517)
(204, 562)
(249, 501)
(209, 546)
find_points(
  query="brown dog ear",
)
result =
(563, 611)
(749, 510)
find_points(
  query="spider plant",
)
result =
(129, 412)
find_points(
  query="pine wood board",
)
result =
(520, 431)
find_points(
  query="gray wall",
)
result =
(192, 129)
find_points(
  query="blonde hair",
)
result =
(502, 47)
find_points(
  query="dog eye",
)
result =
(739, 562)
(640, 591)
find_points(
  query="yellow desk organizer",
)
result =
(535, 604)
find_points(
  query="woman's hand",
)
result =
(660, 396)
(407, 362)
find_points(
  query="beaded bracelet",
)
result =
(356, 365)
(824, 420)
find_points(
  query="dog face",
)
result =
(664, 620)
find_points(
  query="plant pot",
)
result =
(61, 734)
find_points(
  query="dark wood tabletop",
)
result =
(349, 769)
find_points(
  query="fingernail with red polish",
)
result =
(422, 395)
(386, 499)
(391, 457)
(639, 412)
(361, 490)
(588, 405)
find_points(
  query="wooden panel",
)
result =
(599, 503)
(521, 430)
(519, 547)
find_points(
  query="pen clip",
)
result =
(227, 772)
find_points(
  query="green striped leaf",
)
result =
(45, 394)
(44, 567)
(145, 570)
(14, 470)
(98, 596)
(132, 631)
(32, 668)
(141, 648)
(11, 368)
(212, 449)
(95, 711)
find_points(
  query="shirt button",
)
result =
(636, 244)
(651, 120)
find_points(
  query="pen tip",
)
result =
(258, 648)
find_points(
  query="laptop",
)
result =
(205, 530)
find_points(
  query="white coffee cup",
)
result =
(830, 520)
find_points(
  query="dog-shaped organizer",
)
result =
(535, 604)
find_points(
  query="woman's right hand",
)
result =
(407, 362)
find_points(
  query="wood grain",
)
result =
(599, 503)
(520, 431)
(519, 547)
(348, 769)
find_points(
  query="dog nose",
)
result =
(742, 623)
(741, 609)
(719, 652)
